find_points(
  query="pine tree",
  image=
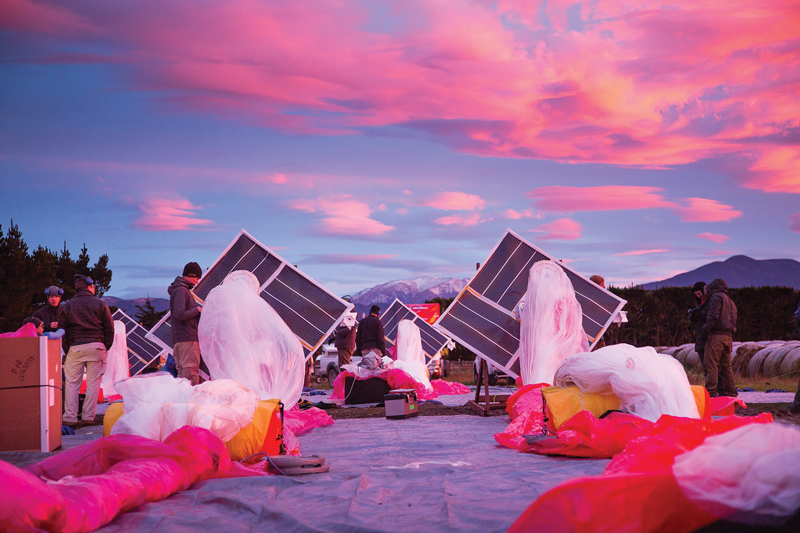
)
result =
(147, 315)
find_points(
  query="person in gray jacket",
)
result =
(719, 327)
(185, 314)
(89, 335)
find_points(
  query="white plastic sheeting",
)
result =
(750, 472)
(242, 338)
(157, 404)
(648, 384)
(551, 328)
(117, 364)
(410, 356)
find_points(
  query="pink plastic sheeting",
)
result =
(725, 405)
(89, 485)
(445, 388)
(638, 491)
(300, 422)
(527, 418)
(396, 378)
(27, 330)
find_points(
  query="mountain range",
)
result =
(738, 271)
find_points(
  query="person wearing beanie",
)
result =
(49, 313)
(697, 316)
(185, 315)
(37, 322)
(720, 325)
(89, 335)
(369, 336)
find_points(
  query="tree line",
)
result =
(25, 274)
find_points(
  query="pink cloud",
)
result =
(612, 82)
(705, 210)
(713, 237)
(794, 222)
(472, 219)
(511, 214)
(161, 214)
(643, 252)
(342, 215)
(604, 198)
(560, 229)
(454, 201)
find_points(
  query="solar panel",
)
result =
(310, 310)
(482, 318)
(141, 351)
(432, 340)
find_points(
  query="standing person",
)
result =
(49, 313)
(599, 281)
(795, 408)
(89, 335)
(185, 318)
(369, 336)
(720, 326)
(697, 316)
(345, 340)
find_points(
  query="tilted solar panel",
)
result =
(141, 351)
(482, 318)
(310, 310)
(432, 340)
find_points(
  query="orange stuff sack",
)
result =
(562, 403)
(113, 413)
(264, 434)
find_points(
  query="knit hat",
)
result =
(52, 290)
(192, 269)
(699, 286)
(597, 280)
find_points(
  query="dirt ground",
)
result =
(780, 412)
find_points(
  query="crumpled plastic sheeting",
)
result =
(551, 328)
(157, 404)
(410, 357)
(639, 491)
(300, 422)
(447, 388)
(725, 405)
(647, 383)
(87, 486)
(117, 365)
(242, 338)
(525, 407)
(749, 474)
(27, 330)
(397, 379)
(418, 474)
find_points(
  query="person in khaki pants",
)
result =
(89, 334)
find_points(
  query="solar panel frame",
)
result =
(432, 340)
(141, 350)
(482, 317)
(310, 310)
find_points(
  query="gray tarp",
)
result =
(419, 474)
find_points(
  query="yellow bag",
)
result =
(264, 434)
(561, 403)
(113, 413)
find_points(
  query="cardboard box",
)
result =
(30, 394)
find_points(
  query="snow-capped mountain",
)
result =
(408, 291)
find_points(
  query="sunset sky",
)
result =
(368, 141)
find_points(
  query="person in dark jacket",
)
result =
(795, 408)
(370, 337)
(49, 313)
(697, 316)
(89, 335)
(185, 314)
(720, 325)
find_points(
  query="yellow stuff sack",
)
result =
(264, 434)
(564, 402)
(113, 413)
